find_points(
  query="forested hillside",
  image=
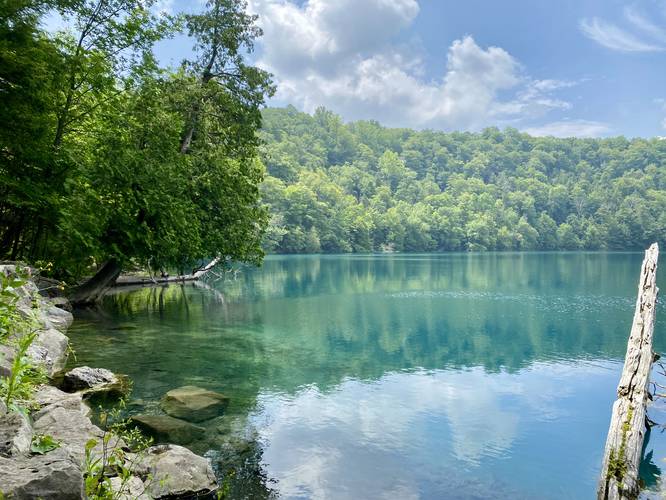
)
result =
(359, 187)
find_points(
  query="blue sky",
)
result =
(560, 67)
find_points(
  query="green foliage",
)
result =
(105, 156)
(9, 296)
(43, 443)
(361, 187)
(111, 458)
(17, 388)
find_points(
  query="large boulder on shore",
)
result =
(71, 426)
(15, 435)
(90, 381)
(50, 350)
(53, 476)
(164, 428)
(194, 403)
(59, 318)
(176, 473)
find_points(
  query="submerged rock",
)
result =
(177, 473)
(164, 428)
(15, 435)
(90, 381)
(194, 403)
(53, 476)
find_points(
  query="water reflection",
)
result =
(392, 376)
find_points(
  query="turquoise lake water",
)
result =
(392, 376)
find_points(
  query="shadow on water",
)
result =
(329, 323)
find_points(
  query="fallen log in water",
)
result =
(624, 445)
(139, 280)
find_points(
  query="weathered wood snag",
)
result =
(624, 445)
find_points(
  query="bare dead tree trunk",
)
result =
(181, 278)
(91, 291)
(624, 445)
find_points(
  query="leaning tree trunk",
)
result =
(90, 291)
(624, 445)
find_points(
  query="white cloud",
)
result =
(570, 128)
(642, 35)
(644, 24)
(321, 56)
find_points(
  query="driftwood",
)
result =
(624, 445)
(149, 281)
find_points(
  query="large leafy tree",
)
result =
(129, 163)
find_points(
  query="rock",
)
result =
(50, 349)
(164, 428)
(62, 303)
(91, 381)
(72, 427)
(177, 472)
(7, 354)
(132, 489)
(59, 318)
(53, 476)
(194, 403)
(3, 407)
(15, 435)
(47, 396)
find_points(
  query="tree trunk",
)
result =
(181, 278)
(91, 291)
(624, 445)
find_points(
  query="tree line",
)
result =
(360, 187)
(108, 157)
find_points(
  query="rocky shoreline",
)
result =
(28, 471)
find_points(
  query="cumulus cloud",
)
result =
(570, 128)
(321, 56)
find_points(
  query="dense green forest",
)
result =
(359, 187)
(106, 157)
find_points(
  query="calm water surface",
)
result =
(400, 376)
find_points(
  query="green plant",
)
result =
(43, 443)
(113, 459)
(17, 388)
(9, 296)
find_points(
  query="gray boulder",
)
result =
(7, 354)
(47, 396)
(132, 489)
(94, 381)
(62, 303)
(15, 434)
(72, 427)
(53, 476)
(59, 318)
(3, 407)
(194, 403)
(50, 350)
(168, 429)
(177, 472)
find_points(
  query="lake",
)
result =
(391, 376)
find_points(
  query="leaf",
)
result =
(43, 443)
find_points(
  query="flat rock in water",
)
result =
(53, 476)
(194, 403)
(164, 428)
(177, 473)
(15, 435)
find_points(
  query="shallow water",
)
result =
(392, 376)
